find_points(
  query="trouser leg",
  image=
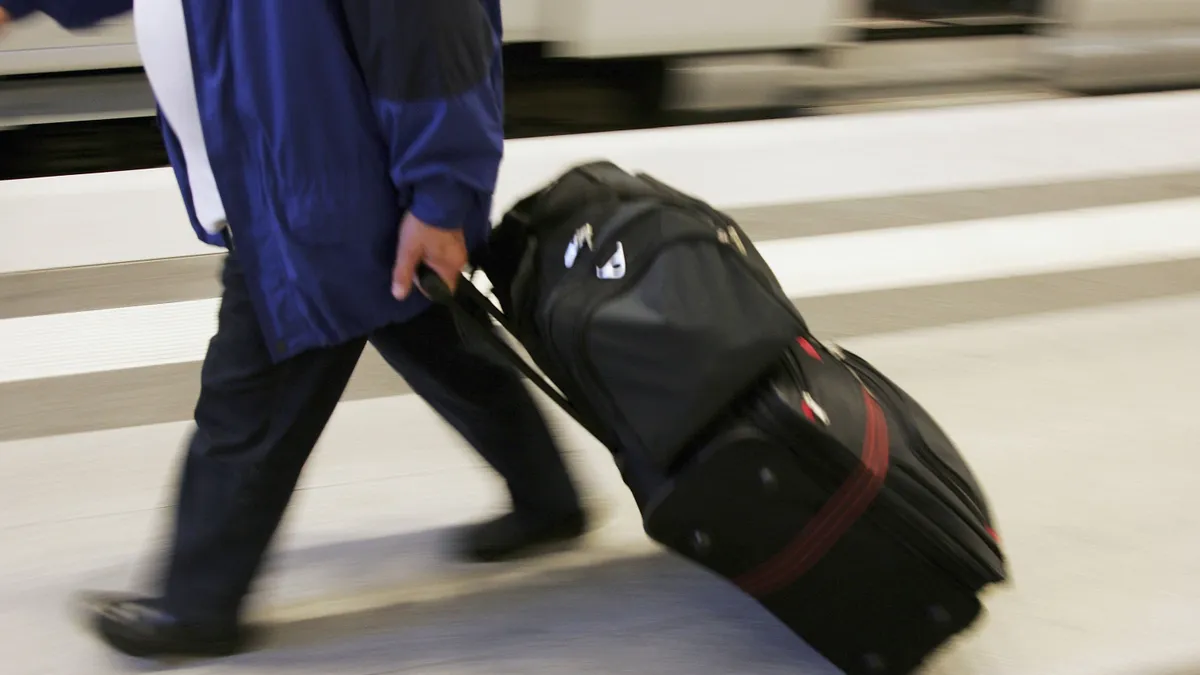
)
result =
(256, 424)
(485, 402)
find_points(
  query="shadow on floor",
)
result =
(576, 612)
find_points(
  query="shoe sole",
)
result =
(556, 544)
(88, 618)
(167, 654)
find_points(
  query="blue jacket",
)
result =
(327, 120)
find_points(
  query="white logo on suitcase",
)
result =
(582, 239)
(615, 267)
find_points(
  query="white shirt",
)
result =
(163, 44)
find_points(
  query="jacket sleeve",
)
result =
(433, 70)
(70, 14)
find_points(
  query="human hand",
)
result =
(443, 251)
(5, 17)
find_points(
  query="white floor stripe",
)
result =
(83, 342)
(137, 215)
(53, 345)
(946, 253)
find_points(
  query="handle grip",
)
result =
(429, 283)
(432, 285)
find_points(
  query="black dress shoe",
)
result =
(515, 535)
(140, 627)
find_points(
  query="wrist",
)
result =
(11, 10)
(441, 202)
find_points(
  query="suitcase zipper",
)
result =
(932, 461)
(936, 464)
(930, 458)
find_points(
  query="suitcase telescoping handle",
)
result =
(429, 283)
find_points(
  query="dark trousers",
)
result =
(257, 422)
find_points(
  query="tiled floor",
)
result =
(1080, 424)
(1070, 392)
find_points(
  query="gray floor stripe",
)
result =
(77, 289)
(878, 213)
(167, 393)
(157, 281)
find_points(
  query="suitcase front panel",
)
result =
(814, 549)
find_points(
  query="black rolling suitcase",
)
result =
(790, 467)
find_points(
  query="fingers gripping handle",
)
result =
(436, 289)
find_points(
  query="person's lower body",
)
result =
(256, 424)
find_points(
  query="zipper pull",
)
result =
(582, 239)
(730, 237)
(833, 348)
(737, 240)
(813, 410)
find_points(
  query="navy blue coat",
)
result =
(327, 120)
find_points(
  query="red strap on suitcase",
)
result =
(832, 521)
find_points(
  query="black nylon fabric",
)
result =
(660, 351)
(751, 448)
(899, 580)
(683, 342)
